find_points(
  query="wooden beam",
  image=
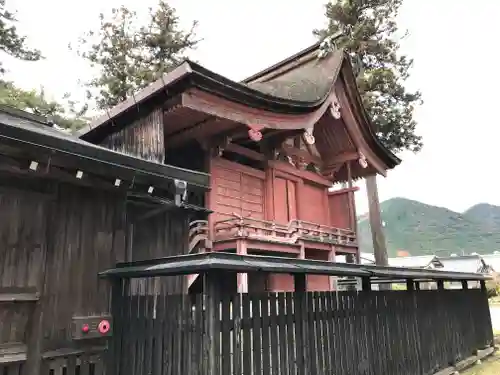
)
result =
(309, 158)
(240, 150)
(341, 158)
(45, 169)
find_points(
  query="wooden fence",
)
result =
(369, 333)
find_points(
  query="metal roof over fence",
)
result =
(220, 261)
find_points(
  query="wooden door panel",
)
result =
(280, 196)
(292, 200)
(314, 201)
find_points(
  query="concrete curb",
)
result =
(466, 363)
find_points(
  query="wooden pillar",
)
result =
(269, 203)
(332, 279)
(378, 237)
(242, 278)
(350, 194)
(353, 220)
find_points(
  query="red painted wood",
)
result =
(313, 207)
(338, 204)
(280, 197)
(280, 282)
(292, 199)
(317, 283)
(236, 190)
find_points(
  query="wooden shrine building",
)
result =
(274, 146)
(69, 210)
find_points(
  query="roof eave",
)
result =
(386, 155)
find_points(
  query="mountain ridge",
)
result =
(423, 229)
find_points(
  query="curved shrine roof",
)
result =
(303, 85)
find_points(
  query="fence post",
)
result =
(301, 306)
(114, 355)
(211, 288)
(410, 285)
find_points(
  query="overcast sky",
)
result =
(454, 44)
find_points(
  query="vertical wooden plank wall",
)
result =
(51, 251)
(87, 236)
(144, 138)
(165, 234)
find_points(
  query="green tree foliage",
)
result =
(128, 55)
(10, 41)
(37, 102)
(370, 36)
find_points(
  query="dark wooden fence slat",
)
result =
(282, 339)
(256, 334)
(266, 340)
(247, 335)
(291, 333)
(358, 333)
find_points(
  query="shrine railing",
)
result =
(198, 237)
(295, 230)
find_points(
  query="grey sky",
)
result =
(454, 44)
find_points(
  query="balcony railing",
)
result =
(246, 227)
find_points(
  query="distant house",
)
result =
(422, 261)
(492, 260)
(465, 263)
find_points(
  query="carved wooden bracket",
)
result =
(335, 110)
(362, 160)
(332, 170)
(308, 136)
(255, 133)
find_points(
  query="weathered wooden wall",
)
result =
(23, 248)
(52, 248)
(162, 235)
(86, 236)
(144, 138)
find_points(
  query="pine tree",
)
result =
(10, 41)
(37, 102)
(370, 36)
(128, 55)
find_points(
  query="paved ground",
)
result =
(491, 366)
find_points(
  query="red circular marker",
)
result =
(85, 328)
(103, 327)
